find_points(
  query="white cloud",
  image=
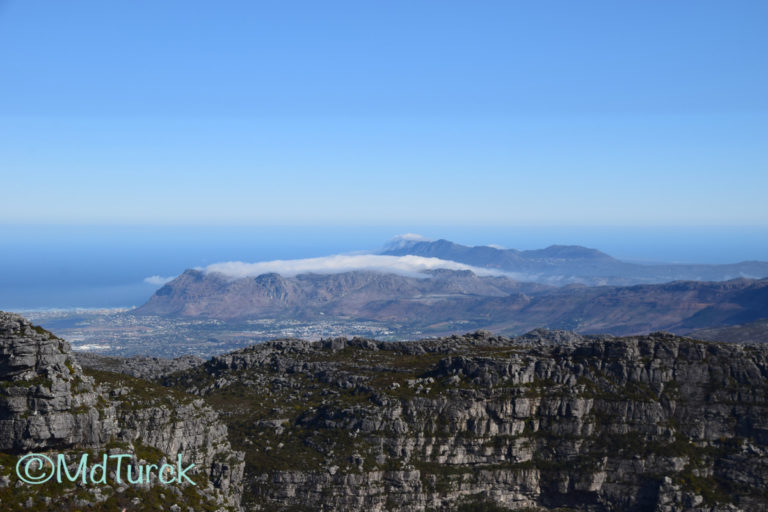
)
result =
(405, 240)
(404, 265)
(411, 237)
(158, 280)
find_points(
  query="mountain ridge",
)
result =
(195, 292)
(432, 304)
(562, 264)
(561, 286)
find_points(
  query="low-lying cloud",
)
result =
(158, 280)
(411, 237)
(415, 266)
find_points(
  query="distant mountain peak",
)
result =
(569, 252)
(403, 241)
(567, 264)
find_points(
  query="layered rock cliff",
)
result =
(549, 420)
(45, 403)
(48, 405)
(546, 421)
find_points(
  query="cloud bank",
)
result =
(415, 266)
(411, 237)
(158, 280)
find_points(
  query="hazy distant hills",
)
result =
(562, 264)
(636, 299)
(349, 294)
(451, 301)
(752, 332)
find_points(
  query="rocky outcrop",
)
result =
(49, 405)
(45, 401)
(193, 430)
(545, 421)
(143, 367)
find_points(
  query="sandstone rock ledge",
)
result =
(545, 421)
(49, 405)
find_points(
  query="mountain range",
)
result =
(563, 264)
(443, 301)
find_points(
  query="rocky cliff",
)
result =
(48, 405)
(546, 421)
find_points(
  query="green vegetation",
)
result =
(138, 393)
(48, 334)
(147, 453)
(38, 380)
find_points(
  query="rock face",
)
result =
(45, 403)
(49, 405)
(549, 420)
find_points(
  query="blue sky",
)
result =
(630, 113)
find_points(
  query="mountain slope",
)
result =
(195, 293)
(753, 332)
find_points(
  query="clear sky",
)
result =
(543, 112)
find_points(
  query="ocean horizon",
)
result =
(66, 267)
